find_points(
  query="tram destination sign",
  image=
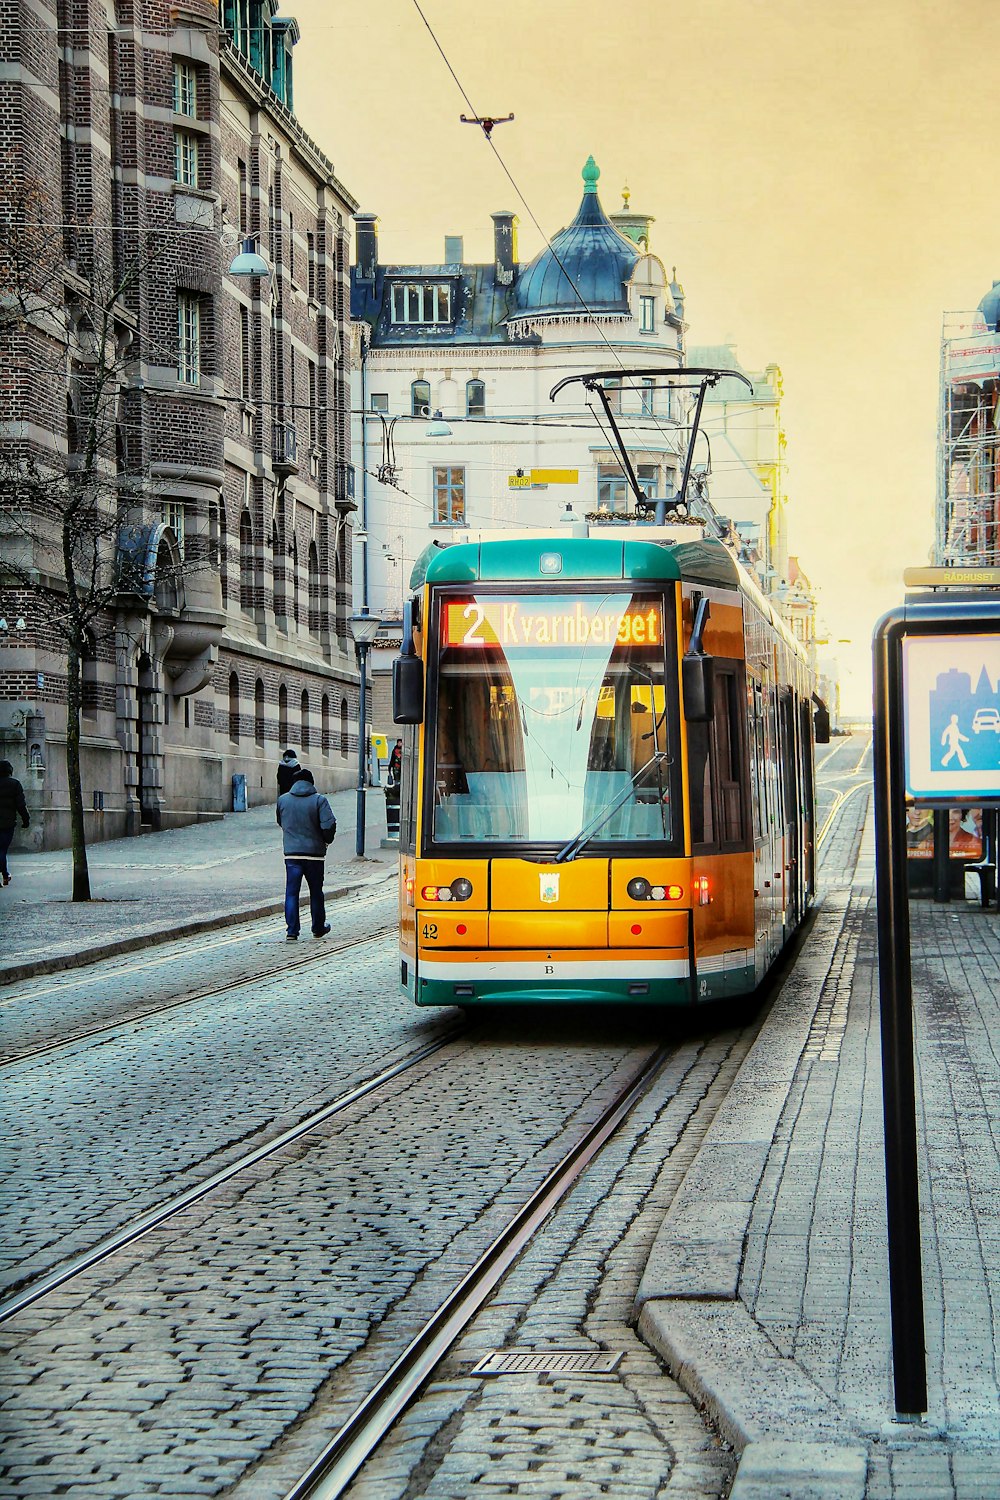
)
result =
(544, 623)
(951, 718)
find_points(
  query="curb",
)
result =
(12, 973)
(687, 1304)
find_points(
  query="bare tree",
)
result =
(68, 493)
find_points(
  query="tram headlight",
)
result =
(461, 888)
(638, 888)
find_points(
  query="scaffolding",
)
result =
(967, 515)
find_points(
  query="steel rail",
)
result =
(364, 1429)
(220, 989)
(837, 807)
(11, 1306)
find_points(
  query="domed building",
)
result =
(483, 345)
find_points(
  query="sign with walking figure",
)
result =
(951, 718)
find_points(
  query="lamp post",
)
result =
(364, 629)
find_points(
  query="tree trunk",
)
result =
(78, 834)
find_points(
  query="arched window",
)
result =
(277, 570)
(258, 712)
(475, 398)
(325, 725)
(304, 713)
(283, 716)
(234, 707)
(246, 562)
(293, 563)
(343, 728)
(420, 398)
(315, 620)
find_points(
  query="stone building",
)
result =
(159, 141)
(967, 509)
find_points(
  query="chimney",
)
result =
(454, 250)
(366, 245)
(505, 246)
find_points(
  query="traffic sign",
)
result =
(951, 718)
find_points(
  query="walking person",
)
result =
(289, 771)
(954, 739)
(12, 807)
(307, 826)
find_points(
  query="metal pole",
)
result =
(362, 737)
(941, 861)
(909, 1360)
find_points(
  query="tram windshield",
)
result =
(551, 713)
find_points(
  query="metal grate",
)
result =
(548, 1362)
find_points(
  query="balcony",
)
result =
(343, 495)
(284, 449)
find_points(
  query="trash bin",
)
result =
(392, 811)
(239, 793)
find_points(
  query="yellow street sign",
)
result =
(555, 476)
(952, 578)
(519, 481)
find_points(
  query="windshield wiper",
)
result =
(580, 840)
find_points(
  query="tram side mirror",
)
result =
(821, 725)
(698, 678)
(407, 690)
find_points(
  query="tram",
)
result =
(608, 772)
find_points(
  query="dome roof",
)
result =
(585, 266)
(990, 306)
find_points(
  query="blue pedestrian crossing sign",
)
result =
(951, 718)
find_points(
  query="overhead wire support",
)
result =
(593, 381)
(486, 122)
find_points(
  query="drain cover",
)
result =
(548, 1362)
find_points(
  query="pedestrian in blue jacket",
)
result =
(12, 807)
(307, 826)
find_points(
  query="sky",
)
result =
(824, 176)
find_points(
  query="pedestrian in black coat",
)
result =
(289, 771)
(12, 807)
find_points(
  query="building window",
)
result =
(246, 562)
(475, 398)
(258, 712)
(380, 400)
(172, 515)
(245, 382)
(304, 719)
(647, 314)
(313, 408)
(315, 620)
(647, 396)
(415, 302)
(614, 490)
(186, 158)
(185, 90)
(343, 728)
(420, 398)
(449, 496)
(241, 168)
(283, 715)
(613, 391)
(310, 264)
(234, 707)
(188, 338)
(325, 724)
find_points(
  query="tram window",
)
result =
(552, 713)
(729, 759)
(408, 791)
(700, 785)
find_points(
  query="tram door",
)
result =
(808, 810)
(792, 872)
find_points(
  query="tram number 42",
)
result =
(429, 932)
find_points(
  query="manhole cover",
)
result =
(548, 1362)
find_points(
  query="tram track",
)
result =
(324, 952)
(161, 1213)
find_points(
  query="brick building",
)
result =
(156, 139)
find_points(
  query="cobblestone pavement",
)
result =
(259, 1316)
(798, 1363)
(158, 882)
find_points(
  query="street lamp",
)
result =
(364, 629)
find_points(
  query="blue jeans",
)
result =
(312, 869)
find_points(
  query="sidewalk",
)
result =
(163, 885)
(767, 1288)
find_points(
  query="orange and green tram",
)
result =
(607, 779)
